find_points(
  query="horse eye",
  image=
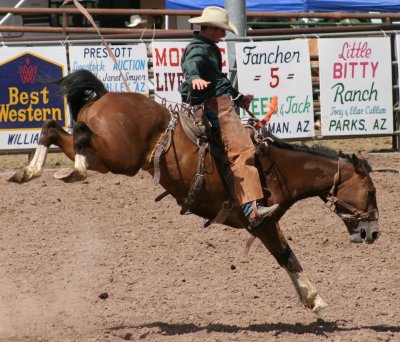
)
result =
(371, 193)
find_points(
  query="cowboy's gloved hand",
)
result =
(244, 101)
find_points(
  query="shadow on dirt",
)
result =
(319, 328)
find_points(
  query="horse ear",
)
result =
(359, 163)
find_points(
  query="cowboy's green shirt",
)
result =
(202, 59)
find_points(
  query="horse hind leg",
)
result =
(273, 239)
(34, 169)
(52, 134)
(82, 137)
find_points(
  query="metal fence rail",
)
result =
(313, 27)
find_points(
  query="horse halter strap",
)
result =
(334, 203)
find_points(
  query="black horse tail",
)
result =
(80, 87)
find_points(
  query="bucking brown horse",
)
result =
(120, 132)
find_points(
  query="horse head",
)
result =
(302, 171)
(353, 198)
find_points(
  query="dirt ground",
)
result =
(100, 261)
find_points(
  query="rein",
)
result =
(198, 180)
(334, 203)
(163, 145)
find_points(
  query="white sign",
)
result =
(28, 98)
(398, 57)
(131, 63)
(279, 69)
(168, 74)
(356, 86)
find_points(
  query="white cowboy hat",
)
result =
(135, 20)
(215, 17)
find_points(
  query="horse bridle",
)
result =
(334, 203)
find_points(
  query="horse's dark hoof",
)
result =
(207, 223)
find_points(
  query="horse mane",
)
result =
(314, 149)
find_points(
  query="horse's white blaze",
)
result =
(307, 292)
(369, 225)
(366, 230)
(371, 229)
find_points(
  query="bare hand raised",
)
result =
(199, 84)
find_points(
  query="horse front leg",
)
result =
(271, 236)
(52, 134)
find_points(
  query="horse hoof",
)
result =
(320, 308)
(70, 175)
(18, 177)
(21, 176)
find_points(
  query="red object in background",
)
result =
(273, 106)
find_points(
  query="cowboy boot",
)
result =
(263, 212)
(256, 213)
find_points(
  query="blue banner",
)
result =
(252, 5)
(295, 5)
(354, 5)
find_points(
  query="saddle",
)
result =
(198, 129)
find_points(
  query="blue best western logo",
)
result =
(27, 98)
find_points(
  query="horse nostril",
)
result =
(375, 235)
(363, 233)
